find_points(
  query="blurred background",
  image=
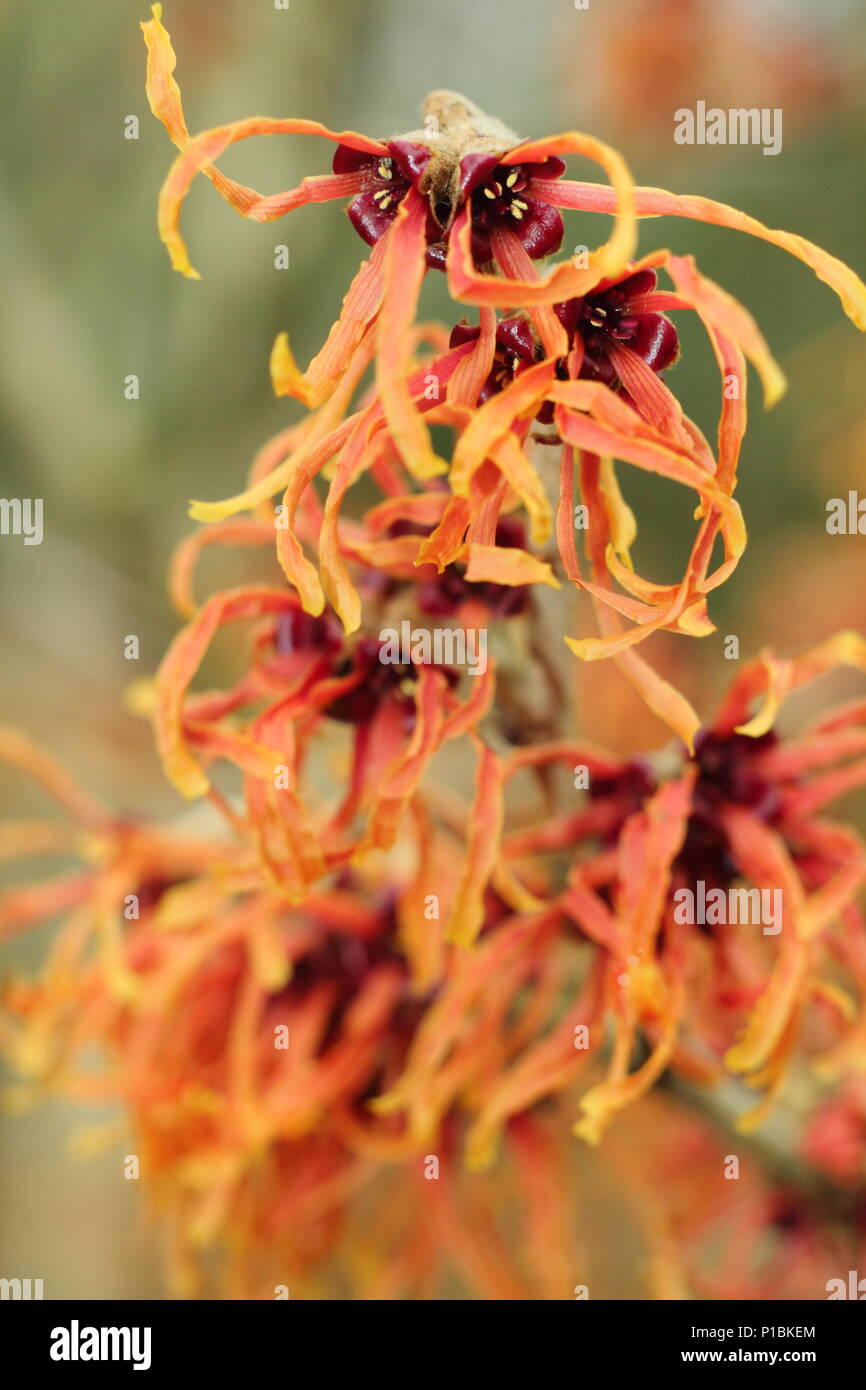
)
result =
(90, 299)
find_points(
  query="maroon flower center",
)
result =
(373, 210)
(297, 631)
(378, 681)
(514, 350)
(499, 196)
(729, 770)
(390, 185)
(619, 315)
(343, 962)
(728, 775)
(443, 595)
(629, 788)
(603, 321)
(502, 198)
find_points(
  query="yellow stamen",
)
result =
(511, 180)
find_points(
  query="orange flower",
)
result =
(368, 977)
(747, 808)
(400, 1049)
(244, 1038)
(303, 678)
(585, 352)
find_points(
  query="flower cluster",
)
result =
(372, 1001)
(290, 1067)
(577, 363)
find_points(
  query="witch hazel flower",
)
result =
(605, 400)
(292, 1031)
(404, 195)
(618, 317)
(483, 381)
(462, 189)
(748, 811)
(364, 445)
(302, 679)
(466, 193)
(245, 1039)
(454, 159)
(295, 1053)
(305, 676)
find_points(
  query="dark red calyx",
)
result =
(629, 789)
(502, 197)
(343, 963)
(444, 594)
(342, 959)
(372, 211)
(387, 180)
(377, 681)
(297, 631)
(499, 195)
(729, 770)
(612, 316)
(728, 775)
(789, 1211)
(633, 783)
(514, 350)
